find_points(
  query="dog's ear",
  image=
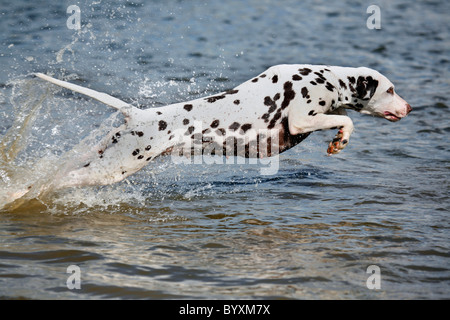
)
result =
(366, 87)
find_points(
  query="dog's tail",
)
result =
(120, 105)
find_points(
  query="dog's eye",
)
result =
(390, 90)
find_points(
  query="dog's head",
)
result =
(379, 96)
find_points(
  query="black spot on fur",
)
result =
(186, 121)
(304, 92)
(158, 113)
(274, 120)
(351, 80)
(232, 91)
(162, 125)
(141, 156)
(271, 103)
(236, 102)
(322, 103)
(188, 107)
(305, 71)
(255, 80)
(86, 165)
(329, 86)
(215, 124)
(189, 130)
(139, 133)
(269, 146)
(312, 113)
(275, 79)
(246, 127)
(309, 101)
(268, 101)
(147, 148)
(313, 83)
(215, 98)
(318, 80)
(220, 132)
(352, 88)
(320, 75)
(342, 84)
(296, 77)
(276, 97)
(366, 87)
(234, 126)
(135, 152)
(289, 94)
(262, 76)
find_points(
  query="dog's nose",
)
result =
(408, 108)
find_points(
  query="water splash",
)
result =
(46, 140)
(55, 132)
(80, 34)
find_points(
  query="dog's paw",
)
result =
(338, 143)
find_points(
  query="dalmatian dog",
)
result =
(262, 117)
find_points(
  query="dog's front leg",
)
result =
(320, 121)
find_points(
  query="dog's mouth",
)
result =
(391, 117)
